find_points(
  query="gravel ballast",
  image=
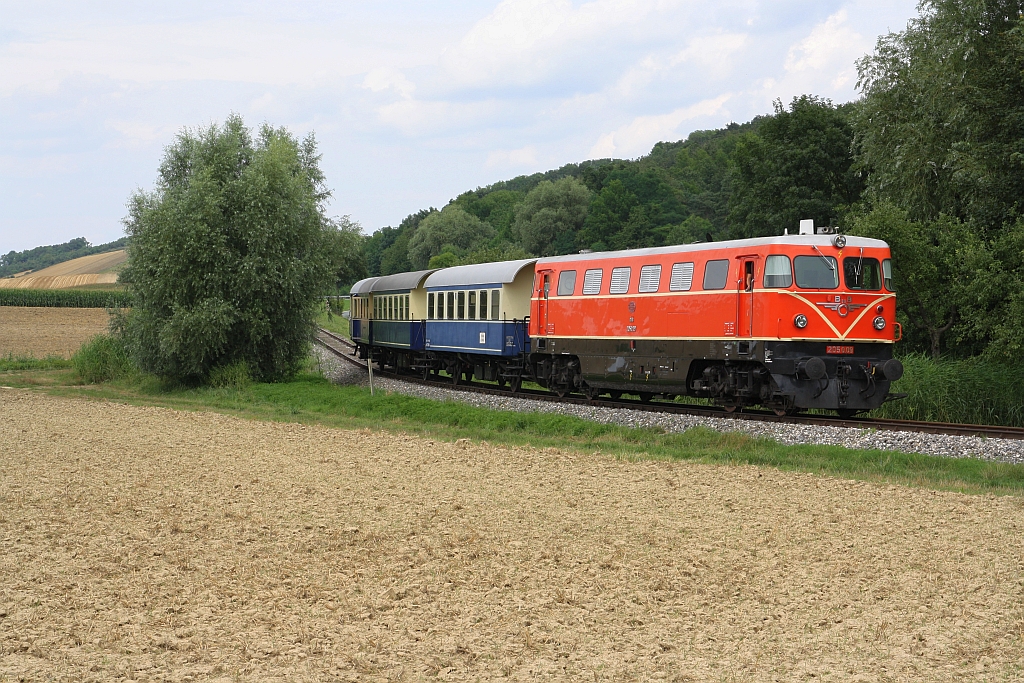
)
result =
(1004, 450)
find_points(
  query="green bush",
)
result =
(972, 390)
(233, 376)
(101, 359)
(65, 298)
(229, 255)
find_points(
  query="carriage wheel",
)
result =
(646, 396)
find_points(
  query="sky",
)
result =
(411, 103)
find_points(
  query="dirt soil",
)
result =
(146, 544)
(41, 332)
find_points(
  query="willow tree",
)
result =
(228, 254)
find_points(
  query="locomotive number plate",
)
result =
(840, 350)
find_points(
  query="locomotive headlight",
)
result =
(879, 323)
(839, 241)
(800, 321)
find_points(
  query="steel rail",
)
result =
(343, 348)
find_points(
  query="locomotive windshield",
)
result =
(816, 272)
(861, 273)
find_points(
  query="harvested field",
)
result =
(41, 332)
(87, 270)
(143, 543)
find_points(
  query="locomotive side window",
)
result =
(566, 282)
(777, 271)
(861, 273)
(887, 274)
(682, 277)
(430, 306)
(592, 281)
(483, 304)
(716, 274)
(816, 272)
(495, 301)
(620, 281)
(451, 306)
(650, 279)
(472, 305)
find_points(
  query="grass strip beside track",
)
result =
(314, 400)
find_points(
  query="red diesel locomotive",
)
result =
(790, 322)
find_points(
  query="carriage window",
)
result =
(462, 305)
(777, 271)
(483, 304)
(451, 306)
(816, 272)
(861, 273)
(430, 306)
(407, 316)
(495, 300)
(472, 305)
(566, 282)
(620, 281)
(716, 274)
(887, 274)
(682, 277)
(592, 281)
(650, 278)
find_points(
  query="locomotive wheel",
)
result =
(591, 392)
(730, 409)
(781, 412)
(846, 413)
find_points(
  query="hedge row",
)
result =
(65, 298)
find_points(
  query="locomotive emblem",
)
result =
(841, 306)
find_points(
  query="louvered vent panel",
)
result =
(620, 281)
(650, 278)
(592, 281)
(682, 277)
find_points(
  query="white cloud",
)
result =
(387, 78)
(524, 156)
(638, 136)
(825, 58)
(523, 42)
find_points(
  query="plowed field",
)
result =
(146, 544)
(41, 332)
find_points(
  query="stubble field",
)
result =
(148, 544)
(41, 332)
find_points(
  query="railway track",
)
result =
(344, 349)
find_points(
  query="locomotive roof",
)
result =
(391, 283)
(501, 272)
(783, 240)
(363, 286)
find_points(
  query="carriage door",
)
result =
(543, 292)
(745, 296)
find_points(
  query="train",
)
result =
(788, 323)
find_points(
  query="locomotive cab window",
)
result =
(816, 272)
(483, 304)
(472, 305)
(620, 281)
(777, 271)
(650, 279)
(716, 274)
(887, 274)
(566, 282)
(861, 273)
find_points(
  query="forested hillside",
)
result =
(15, 262)
(930, 159)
